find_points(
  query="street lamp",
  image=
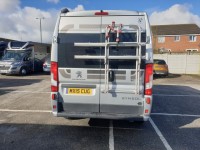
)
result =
(40, 18)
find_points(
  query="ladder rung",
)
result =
(125, 57)
(88, 57)
(111, 44)
(109, 57)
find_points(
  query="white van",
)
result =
(102, 65)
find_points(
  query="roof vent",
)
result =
(64, 10)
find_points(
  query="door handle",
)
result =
(111, 76)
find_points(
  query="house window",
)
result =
(177, 38)
(161, 39)
(192, 38)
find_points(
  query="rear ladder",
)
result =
(107, 44)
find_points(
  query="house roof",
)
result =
(177, 29)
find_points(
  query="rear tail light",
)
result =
(44, 65)
(54, 106)
(148, 79)
(54, 76)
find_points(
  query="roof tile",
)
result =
(177, 29)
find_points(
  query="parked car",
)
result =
(47, 64)
(160, 67)
(19, 58)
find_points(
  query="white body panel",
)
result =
(121, 97)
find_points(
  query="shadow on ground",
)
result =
(10, 82)
(169, 76)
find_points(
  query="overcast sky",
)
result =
(18, 16)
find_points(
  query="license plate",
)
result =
(159, 68)
(79, 91)
(3, 71)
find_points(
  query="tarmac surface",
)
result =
(26, 121)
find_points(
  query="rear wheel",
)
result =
(23, 71)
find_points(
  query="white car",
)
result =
(46, 64)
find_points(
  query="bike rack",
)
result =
(107, 44)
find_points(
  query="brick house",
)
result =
(179, 38)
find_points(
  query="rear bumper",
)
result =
(160, 72)
(46, 69)
(102, 116)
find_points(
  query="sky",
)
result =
(18, 17)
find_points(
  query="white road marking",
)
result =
(167, 146)
(181, 115)
(36, 92)
(29, 111)
(176, 95)
(111, 137)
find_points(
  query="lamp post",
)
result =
(40, 19)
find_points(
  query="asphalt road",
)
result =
(26, 121)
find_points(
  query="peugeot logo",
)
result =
(79, 74)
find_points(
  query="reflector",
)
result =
(148, 100)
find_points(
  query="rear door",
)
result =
(123, 94)
(79, 76)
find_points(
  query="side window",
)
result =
(192, 38)
(177, 38)
(48, 50)
(28, 55)
(161, 39)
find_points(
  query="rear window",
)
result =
(67, 51)
(159, 62)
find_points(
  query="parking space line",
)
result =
(29, 111)
(181, 115)
(176, 95)
(162, 138)
(111, 136)
(36, 92)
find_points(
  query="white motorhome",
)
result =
(102, 65)
(23, 57)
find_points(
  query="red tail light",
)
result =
(54, 74)
(44, 65)
(101, 13)
(148, 79)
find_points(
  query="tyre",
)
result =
(23, 71)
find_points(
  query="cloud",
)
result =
(21, 24)
(79, 8)
(53, 1)
(176, 14)
(9, 5)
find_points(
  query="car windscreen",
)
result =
(159, 62)
(16, 55)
